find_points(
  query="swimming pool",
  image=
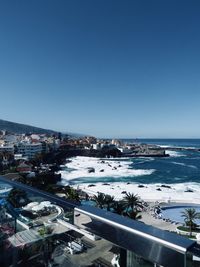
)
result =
(88, 202)
(174, 213)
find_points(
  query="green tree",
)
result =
(118, 207)
(109, 201)
(17, 197)
(134, 214)
(71, 193)
(131, 201)
(100, 200)
(190, 215)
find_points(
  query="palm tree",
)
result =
(134, 214)
(72, 194)
(132, 201)
(189, 216)
(118, 207)
(100, 200)
(109, 201)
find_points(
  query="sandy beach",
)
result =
(187, 193)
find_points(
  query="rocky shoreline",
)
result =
(193, 149)
(146, 155)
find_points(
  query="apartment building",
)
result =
(28, 149)
(7, 148)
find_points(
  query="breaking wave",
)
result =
(88, 167)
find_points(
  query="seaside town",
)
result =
(46, 229)
(18, 150)
(99, 133)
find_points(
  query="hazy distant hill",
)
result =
(22, 128)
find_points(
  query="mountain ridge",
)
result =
(20, 128)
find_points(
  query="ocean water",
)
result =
(185, 143)
(180, 172)
(180, 167)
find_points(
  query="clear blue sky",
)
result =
(102, 67)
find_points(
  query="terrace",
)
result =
(65, 240)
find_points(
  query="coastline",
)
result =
(174, 179)
(147, 216)
(148, 193)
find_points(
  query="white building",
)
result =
(96, 146)
(7, 148)
(116, 142)
(35, 136)
(53, 143)
(29, 150)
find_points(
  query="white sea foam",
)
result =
(184, 165)
(174, 154)
(179, 163)
(178, 147)
(177, 192)
(143, 161)
(78, 168)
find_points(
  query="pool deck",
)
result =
(148, 218)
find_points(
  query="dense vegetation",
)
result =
(130, 206)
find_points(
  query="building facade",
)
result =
(29, 150)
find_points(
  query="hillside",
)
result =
(22, 128)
